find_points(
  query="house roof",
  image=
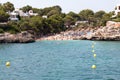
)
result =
(12, 13)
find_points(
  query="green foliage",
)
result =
(106, 17)
(54, 23)
(57, 23)
(52, 12)
(41, 12)
(1, 7)
(35, 10)
(99, 14)
(12, 27)
(57, 8)
(46, 27)
(36, 23)
(3, 16)
(85, 14)
(1, 30)
(49, 11)
(25, 26)
(117, 18)
(111, 13)
(68, 20)
(75, 16)
(26, 8)
(8, 7)
(42, 26)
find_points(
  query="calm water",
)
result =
(60, 60)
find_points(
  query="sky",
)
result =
(68, 5)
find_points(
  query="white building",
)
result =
(20, 12)
(31, 13)
(13, 16)
(117, 10)
(16, 12)
(44, 16)
(79, 22)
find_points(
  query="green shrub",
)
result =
(1, 30)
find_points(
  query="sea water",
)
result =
(60, 60)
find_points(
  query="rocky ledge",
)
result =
(23, 37)
(111, 32)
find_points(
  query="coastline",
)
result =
(110, 32)
(70, 35)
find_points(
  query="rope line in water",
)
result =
(94, 55)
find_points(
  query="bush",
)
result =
(3, 16)
(1, 30)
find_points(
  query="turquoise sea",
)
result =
(60, 60)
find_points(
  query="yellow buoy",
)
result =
(93, 67)
(92, 46)
(8, 64)
(93, 51)
(94, 55)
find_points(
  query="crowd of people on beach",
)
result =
(67, 35)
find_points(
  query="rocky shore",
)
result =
(23, 37)
(70, 35)
(109, 32)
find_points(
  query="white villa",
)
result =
(117, 10)
(16, 12)
(31, 13)
(13, 16)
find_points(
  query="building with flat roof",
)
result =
(117, 10)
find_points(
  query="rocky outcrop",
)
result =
(109, 32)
(113, 24)
(23, 37)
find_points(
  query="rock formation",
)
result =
(110, 32)
(23, 37)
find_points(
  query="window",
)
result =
(119, 7)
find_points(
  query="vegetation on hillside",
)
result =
(55, 22)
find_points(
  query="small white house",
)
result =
(31, 13)
(44, 16)
(16, 12)
(117, 10)
(20, 12)
(13, 16)
(79, 22)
